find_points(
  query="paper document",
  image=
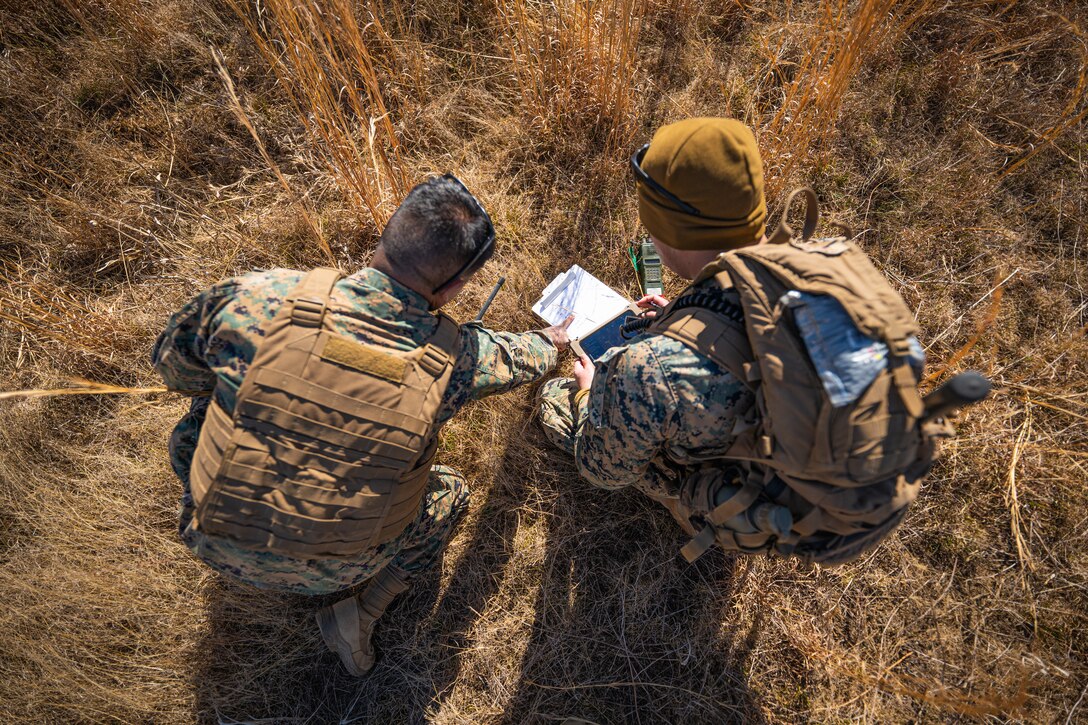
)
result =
(577, 291)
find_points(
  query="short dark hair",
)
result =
(437, 229)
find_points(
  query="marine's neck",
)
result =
(685, 262)
(689, 262)
(405, 277)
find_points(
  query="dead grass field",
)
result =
(951, 134)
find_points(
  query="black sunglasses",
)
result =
(636, 166)
(473, 265)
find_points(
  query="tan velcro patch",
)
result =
(365, 359)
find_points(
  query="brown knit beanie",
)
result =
(712, 164)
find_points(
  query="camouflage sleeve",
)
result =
(178, 354)
(495, 362)
(630, 412)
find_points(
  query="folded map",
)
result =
(576, 291)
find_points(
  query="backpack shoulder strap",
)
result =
(692, 319)
(309, 300)
(442, 348)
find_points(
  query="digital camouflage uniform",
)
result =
(655, 405)
(209, 343)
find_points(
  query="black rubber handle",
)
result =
(964, 389)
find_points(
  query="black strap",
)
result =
(710, 300)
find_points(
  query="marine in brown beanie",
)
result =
(643, 411)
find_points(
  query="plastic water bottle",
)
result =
(767, 518)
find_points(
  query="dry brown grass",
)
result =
(577, 64)
(809, 92)
(950, 134)
(321, 55)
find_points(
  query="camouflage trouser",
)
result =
(557, 416)
(557, 412)
(417, 549)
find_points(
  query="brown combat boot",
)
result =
(347, 625)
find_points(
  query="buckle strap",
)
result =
(433, 360)
(699, 545)
(310, 298)
(442, 348)
(740, 501)
(308, 312)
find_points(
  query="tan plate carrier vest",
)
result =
(331, 442)
(847, 474)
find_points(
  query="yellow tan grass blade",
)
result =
(96, 389)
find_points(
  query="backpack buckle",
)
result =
(766, 446)
(900, 347)
(308, 312)
(433, 361)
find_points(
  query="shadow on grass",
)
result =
(261, 658)
(637, 637)
(622, 629)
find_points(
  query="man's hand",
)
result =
(650, 302)
(558, 334)
(583, 372)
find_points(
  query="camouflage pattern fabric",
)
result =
(654, 405)
(208, 345)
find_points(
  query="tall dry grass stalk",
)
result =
(301, 202)
(576, 63)
(845, 36)
(80, 387)
(320, 52)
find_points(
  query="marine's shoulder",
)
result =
(276, 278)
(666, 348)
(242, 301)
(256, 281)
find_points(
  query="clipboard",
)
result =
(599, 311)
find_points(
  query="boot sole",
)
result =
(326, 624)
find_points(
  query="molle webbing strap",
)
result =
(335, 401)
(286, 421)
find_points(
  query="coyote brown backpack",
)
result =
(330, 445)
(804, 477)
